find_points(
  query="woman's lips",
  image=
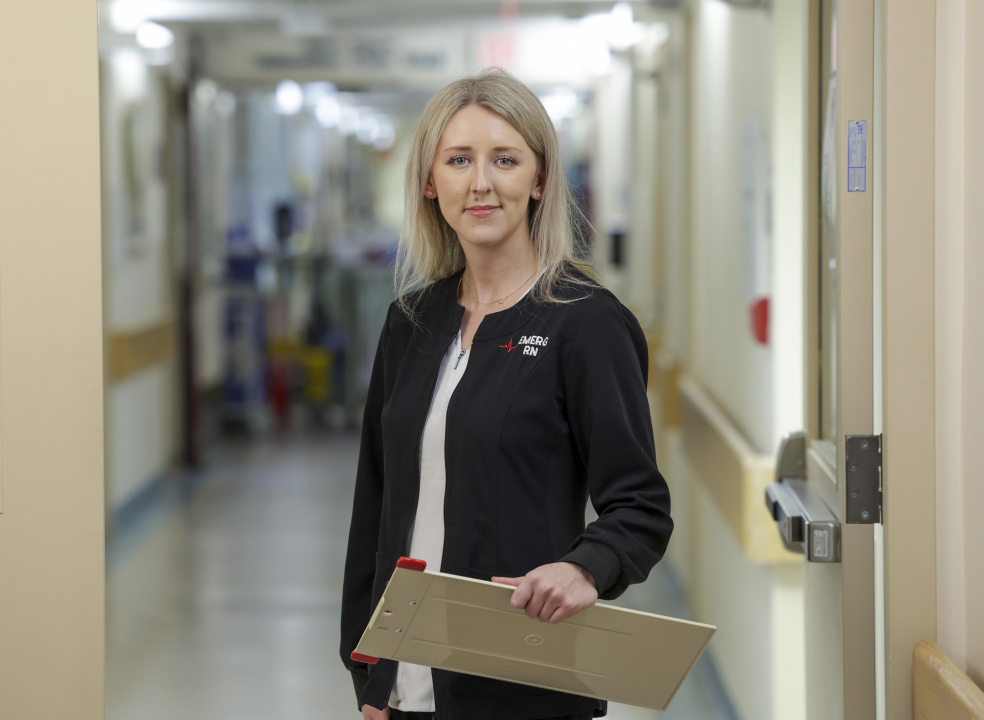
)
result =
(481, 211)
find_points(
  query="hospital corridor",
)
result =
(226, 605)
(264, 265)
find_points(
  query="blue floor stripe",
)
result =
(138, 515)
(705, 670)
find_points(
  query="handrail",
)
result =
(132, 351)
(940, 689)
(734, 473)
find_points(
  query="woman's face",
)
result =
(483, 176)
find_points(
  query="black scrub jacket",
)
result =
(552, 408)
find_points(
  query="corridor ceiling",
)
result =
(324, 16)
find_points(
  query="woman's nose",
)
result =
(480, 180)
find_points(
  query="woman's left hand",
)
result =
(553, 593)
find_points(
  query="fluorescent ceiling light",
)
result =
(597, 58)
(289, 98)
(616, 28)
(154, 36)
(328, 111)
(130, 73)
(561, 104)
(126, 15)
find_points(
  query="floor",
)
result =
(223, 594)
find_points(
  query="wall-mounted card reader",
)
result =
(806, 524)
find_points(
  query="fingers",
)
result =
(553, 593)
(539, 596)
(507, 580)
(522, 594)
(564, 612)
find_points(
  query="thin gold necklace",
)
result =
(500, 300)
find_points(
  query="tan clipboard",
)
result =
(456, 623)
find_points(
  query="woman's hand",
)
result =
(553, 593)
(371, 713)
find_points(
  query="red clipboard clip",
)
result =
(367, 659)
(411, 564)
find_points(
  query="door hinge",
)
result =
(864, 479)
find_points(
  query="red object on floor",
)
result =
(279, 394)
(760, 320)
(411, 564)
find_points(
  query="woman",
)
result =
(508, 386)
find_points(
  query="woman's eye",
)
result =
(505, 161)
(460, 160)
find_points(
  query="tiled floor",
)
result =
(224, 606)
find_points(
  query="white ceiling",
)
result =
(339, 14)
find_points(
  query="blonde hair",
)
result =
(429, 249)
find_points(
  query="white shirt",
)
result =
(413, 690)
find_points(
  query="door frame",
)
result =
(855, 343)
(899, 335)
(908, 330)
(52, 551)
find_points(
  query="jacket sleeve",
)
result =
(608, 412)
(360, 559)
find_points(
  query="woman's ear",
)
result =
(541, 180)
(429, 189)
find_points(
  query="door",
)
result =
(823, 505)
(840, 596)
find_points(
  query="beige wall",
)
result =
(51, 417)
(960, 332)
(732, 89)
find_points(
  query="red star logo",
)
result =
(510, 347)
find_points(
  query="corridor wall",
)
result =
(742, 242)
(960, 333)
(141, 397)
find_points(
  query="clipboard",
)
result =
(455, 623)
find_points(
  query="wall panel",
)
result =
(52, 527)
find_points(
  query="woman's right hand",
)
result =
(371, 713)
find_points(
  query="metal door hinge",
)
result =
(864, 479)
